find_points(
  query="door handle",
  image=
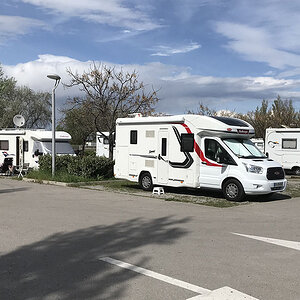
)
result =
(203, 162)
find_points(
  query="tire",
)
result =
(297, 171)
(146, 182)
(233, 190)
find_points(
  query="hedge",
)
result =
(90, 166)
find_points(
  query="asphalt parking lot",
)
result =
(69, 243)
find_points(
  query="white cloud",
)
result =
(268, 33)
(178, 89)
(168, 51)
(11, 26)
(112, 12)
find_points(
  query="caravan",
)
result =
(283, 145)
(194, 151)
(24, 146)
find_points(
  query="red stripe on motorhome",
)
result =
(199, 151)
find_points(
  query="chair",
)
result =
(23, 170)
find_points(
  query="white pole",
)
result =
(57, 79)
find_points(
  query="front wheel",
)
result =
(146, 182)
(233, 190)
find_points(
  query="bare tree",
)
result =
(111, 94)
(203, 110)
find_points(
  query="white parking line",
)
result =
(224, 293)
(170, 280)
(283, 243)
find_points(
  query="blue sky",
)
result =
(227, 54)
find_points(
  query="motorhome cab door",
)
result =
(163, 157)
(213, 167)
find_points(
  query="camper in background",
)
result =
(194, 151)
(102, 144)
(283, 146)
(24, 146)
(259, 143)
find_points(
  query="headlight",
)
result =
(253, 168)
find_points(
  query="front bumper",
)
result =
(256, 187)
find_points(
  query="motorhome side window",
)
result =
(4, 145)
(214, 151)
(187, 142)
(25, 146)
(163, 147)
(133, 137)
(289, 143)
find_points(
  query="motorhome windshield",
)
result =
(243, 148)
(60, 147)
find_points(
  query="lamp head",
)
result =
(53, 76)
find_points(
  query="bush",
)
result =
(87, 166)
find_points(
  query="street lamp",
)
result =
(57, 80)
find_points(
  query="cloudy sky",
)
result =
(227, 54)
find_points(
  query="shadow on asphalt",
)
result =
(212, 193)
(5, 191)
(269, 198)
(66, 265)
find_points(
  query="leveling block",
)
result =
(158, 190)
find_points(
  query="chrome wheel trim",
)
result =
(232, 190)
(146, 182)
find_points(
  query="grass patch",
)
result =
(293, 188)
(172, 194)
(59, 176)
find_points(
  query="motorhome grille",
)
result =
(275, 173)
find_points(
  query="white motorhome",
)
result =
(283, 146)
(194, 151)
(25, 146)
(102, 144)
(259, 143)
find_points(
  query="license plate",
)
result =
(278, 184)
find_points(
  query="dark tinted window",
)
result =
(163, 147)
(133, 137)
(187, 142)
(231, 121)
(25, 146)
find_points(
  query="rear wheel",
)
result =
(233, 190)
(146, 182)
(297, 171)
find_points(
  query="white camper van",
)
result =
(283, 146)
(194, 151)
(102, 144)
(259, 143)
(24, 146)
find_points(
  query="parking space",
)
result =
(69, 243)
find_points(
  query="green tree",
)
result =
(260, 118)
(111, 94)
(34, 106)
(284, 113)
(77, 122)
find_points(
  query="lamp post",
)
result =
(57, 80)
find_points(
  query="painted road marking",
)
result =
(205, 294)
(283, 243)
(224, 293)
(170, 280)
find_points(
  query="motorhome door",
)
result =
(163, 157)
(212, 170)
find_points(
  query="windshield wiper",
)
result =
(251, 156)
